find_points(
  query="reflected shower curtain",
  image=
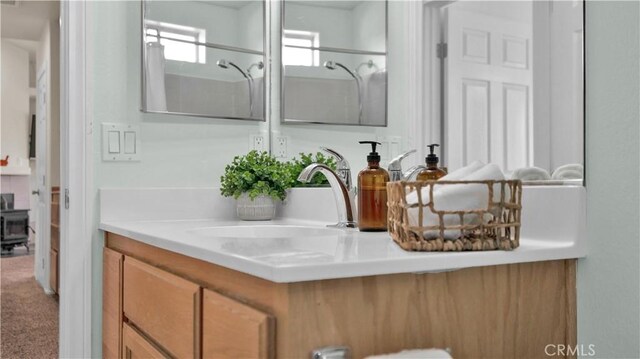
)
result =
(156, 97)
(374, 107)
(258, 97)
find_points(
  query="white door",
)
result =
(488, 84)
(566, 92)
(43, 229)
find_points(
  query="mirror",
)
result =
(334, 56)
(204, 58)
(512, 86)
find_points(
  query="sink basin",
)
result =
(265, 231)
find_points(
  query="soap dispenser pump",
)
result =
(372, 193)
(432, 172)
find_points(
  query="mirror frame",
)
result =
(143, 53)
(285, 121)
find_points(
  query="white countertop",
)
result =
(351, 254)
(340, 254)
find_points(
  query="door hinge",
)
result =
(66, 198)
(441, 50)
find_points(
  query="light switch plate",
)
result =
(391, 146)
(120, 142)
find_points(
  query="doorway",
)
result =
(31, 175)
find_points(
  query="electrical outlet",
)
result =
(280, 150)
(256, 142)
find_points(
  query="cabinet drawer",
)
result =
(53, 270)
(55, 196)
(55, 237)
(164, 306)
(55, 213)
(136, 346)
(231, 329)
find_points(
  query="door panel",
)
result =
(516, 119)
(475, 119)
(134, 346)
(487, 66)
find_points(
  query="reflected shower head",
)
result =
(259, 65)
(223, 63)
(330, 65)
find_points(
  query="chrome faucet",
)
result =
(412, 173)
(342, 169)
(344, 199)
(395, 169)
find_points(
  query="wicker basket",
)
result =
(495, 227)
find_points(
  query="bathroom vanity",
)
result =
(160, 303)
(175, 286)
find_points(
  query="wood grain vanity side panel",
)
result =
(233, 330)
(507, 311)
(163, 306)
(571, 337)
(112, 262)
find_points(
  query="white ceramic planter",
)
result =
(262, 208)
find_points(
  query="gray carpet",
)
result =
(28, 317)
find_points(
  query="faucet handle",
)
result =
(343, 164)
(395, 164)
(343, 167)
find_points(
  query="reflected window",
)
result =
(298, 48)
(180, 42)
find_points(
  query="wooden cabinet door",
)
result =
(53, 270)
(111, 303)
(165, 307)
(233, 330)
(134, 346)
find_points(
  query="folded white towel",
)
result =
(531, 174)
(456, 197)
(570, 171)
(415, 354)
(461, 173)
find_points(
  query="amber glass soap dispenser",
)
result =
(372, 193)
(432, 172)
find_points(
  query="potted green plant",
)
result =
(255, 180)
(295, 166)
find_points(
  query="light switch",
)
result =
(120, 142)
(129, 142)
(114, 142)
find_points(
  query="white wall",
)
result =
(176, 151)
(608, 279)
(15, 121)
